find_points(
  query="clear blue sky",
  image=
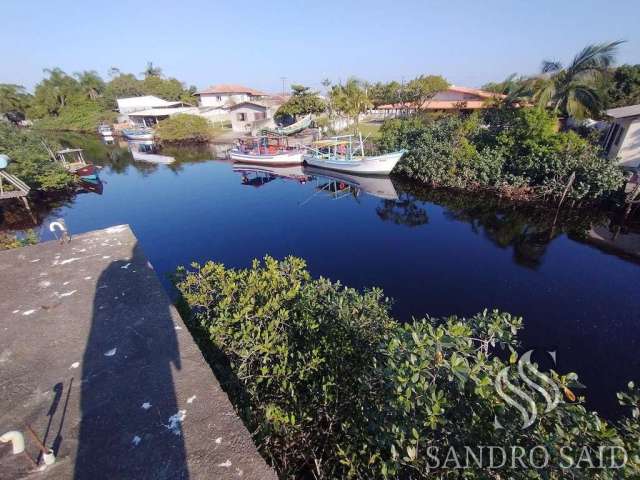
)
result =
(255, 43)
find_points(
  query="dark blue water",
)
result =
(434, 253)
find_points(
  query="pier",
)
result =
(96, 361)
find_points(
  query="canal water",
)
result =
(574, 278)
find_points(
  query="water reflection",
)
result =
(258, 176)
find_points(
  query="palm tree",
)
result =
(90, 83)
(151, 71)
(350, 98)
(573, 90)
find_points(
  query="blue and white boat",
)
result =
(138, 133)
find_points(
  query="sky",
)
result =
(255, 43)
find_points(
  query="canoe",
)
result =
(368, 165)
(292, 157)
(88, 173)
(4, 161)
(291, 129)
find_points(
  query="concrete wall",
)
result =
(252, 113)
(222, 99)
(627, 151)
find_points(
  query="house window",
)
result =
(219, 98)
(259, 116)
(241, 117)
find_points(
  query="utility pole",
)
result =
(284, 79)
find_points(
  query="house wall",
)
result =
(222, 99)
(249, 112)
(627, 151)
(451, 96)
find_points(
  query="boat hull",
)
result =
(288, 158)
(375, 185)
(88, 173)
(137, 134)
(378, 165)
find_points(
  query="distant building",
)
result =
(126, 106)
(622, 142)
(251, 116)
(454, 98)
(228, 95)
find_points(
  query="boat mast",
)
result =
(361, 144)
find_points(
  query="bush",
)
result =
(184, 128)
(505, 149)
(82, 117)
(30, 160)
(335, 388)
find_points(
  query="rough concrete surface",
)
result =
(97, 361)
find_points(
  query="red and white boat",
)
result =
(266, 151)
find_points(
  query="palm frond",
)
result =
(597, 56)
(550, 66)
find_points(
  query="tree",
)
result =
(350, 98)
(54, 92)
(122, 85)
(151, 71)
(385, 93)
(624, 86)
(419, 91)
(573, 90)
(302, 102)
(91, 83)
(13, 98)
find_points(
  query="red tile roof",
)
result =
(230, 88)
(470, 104)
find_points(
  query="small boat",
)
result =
(105, 130)
(266, 150)
(337, 153)
(73, 160)
(138, 134)
(4, 161)
(290, 129)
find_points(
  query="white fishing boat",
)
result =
(105, 130)
(259, 175)
(337, 153)
(376, 186)
(266, 150)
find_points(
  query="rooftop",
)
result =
(470, 103)
(95, 358)
(622, 112)
(145, 101)
(226, 88)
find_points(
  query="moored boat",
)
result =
(138, 134)
(337, 153)
(105, 130)
(377, 186)
(266, 151)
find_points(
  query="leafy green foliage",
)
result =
(332, 387)
(30, 161)
(184, 128)
(9, 240)
(516, 151)
(624, 86)
(351, 98)
(78, 116)
(13, 98)
(302, 102)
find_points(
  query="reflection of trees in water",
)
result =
(403, 211)
(528, 229)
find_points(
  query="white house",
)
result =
(146, 102)
(228, 95)
(251, 116)
(623, 138)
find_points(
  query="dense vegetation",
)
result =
(302, 102)
(332, 386)
(517, 152)
(184, 128)
(30, 160)
(80, 102)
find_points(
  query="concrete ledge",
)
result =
(96, 359)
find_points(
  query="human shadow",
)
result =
(130, 423)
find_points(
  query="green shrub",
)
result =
(505, 149)
(30, 161)
(80, 117)
(332, 387)
(184, 128)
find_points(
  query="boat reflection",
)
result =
(147, 151)
(341, 184)
(259, 175)
(90, 186)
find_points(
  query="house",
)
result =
(151, 116)
(126, 106)
(454, 98)
(226, 95)
(251, 116)
(622, 142)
